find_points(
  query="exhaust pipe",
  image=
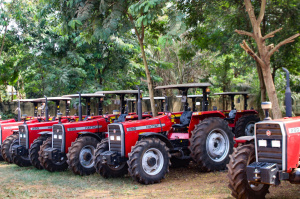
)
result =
(46, 109)
(19, 111)
(80, 108)
(288, 95)
(139, 107)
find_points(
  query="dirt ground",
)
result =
(16, 182)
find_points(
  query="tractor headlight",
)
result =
(276, 143)
(262, 143)
(55, 136)
(112, 137)
(60, 137)
(119, 138)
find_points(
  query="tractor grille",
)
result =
(268, 153)
(114, 131)
(23, 135)
(58, 137)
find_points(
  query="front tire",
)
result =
(238, 183)
(7, 146)
(105, 170)
(245, 125)
(48, 164)
(81, 156)
(149, 161)
(211, 144)
(21, 161)
(34, 151)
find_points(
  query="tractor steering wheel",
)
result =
(169, 112)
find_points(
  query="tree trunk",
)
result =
(150, 86)
(3, 41)
(271, 92)
(263, 95)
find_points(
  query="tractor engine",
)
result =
(277, 150)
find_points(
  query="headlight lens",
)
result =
(119, 138)
(112, 137)
(262, 143)
(276, 143)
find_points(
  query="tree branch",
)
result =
(135, 29)
(242, 32)
(271, 34)
(262, 11)
(245, 46)
(288, 40)
(250, 10)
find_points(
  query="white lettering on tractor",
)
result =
(152, 126)
(84, 128)
(294, 130)
(41, 128)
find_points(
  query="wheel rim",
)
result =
(86, 156)
(217, 145)
(249, 130)
(152, 161)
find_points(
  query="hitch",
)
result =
(111, 158)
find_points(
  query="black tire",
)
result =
(178, 163)
(137, 163)
(238, 183)
(245, 125)
(48, 164)
(1, 158)
(6, 147)
(34, 151)
(21, 161)
(81, 155)
(210, 138)
(105, 170)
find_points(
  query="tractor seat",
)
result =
(121, 118)
(231, 115)
(185, 119)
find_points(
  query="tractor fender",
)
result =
(243, 140)
(45, 133)
(246, 138)
(95, 135)
(157, 135)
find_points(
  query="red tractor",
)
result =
(242, 121)
(72, 144)
(27, 142)
(145, 147)
(8, 130)
(269, 157)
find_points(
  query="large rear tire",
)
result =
(21, 161)
(238, 183)
(245, 125)
(6, 149)
(34, 151)
(48, 164)
(105, 170)
(149, 161)
(81, 156)
(211, 144)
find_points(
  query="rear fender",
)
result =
(240, 114)
(243, 140)
(99, 137)
(157, 135)
(199, 116)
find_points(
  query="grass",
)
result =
(17, 182)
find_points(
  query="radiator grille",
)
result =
(23, 135)
(269, 154)
(58, 137)
(114, 131)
